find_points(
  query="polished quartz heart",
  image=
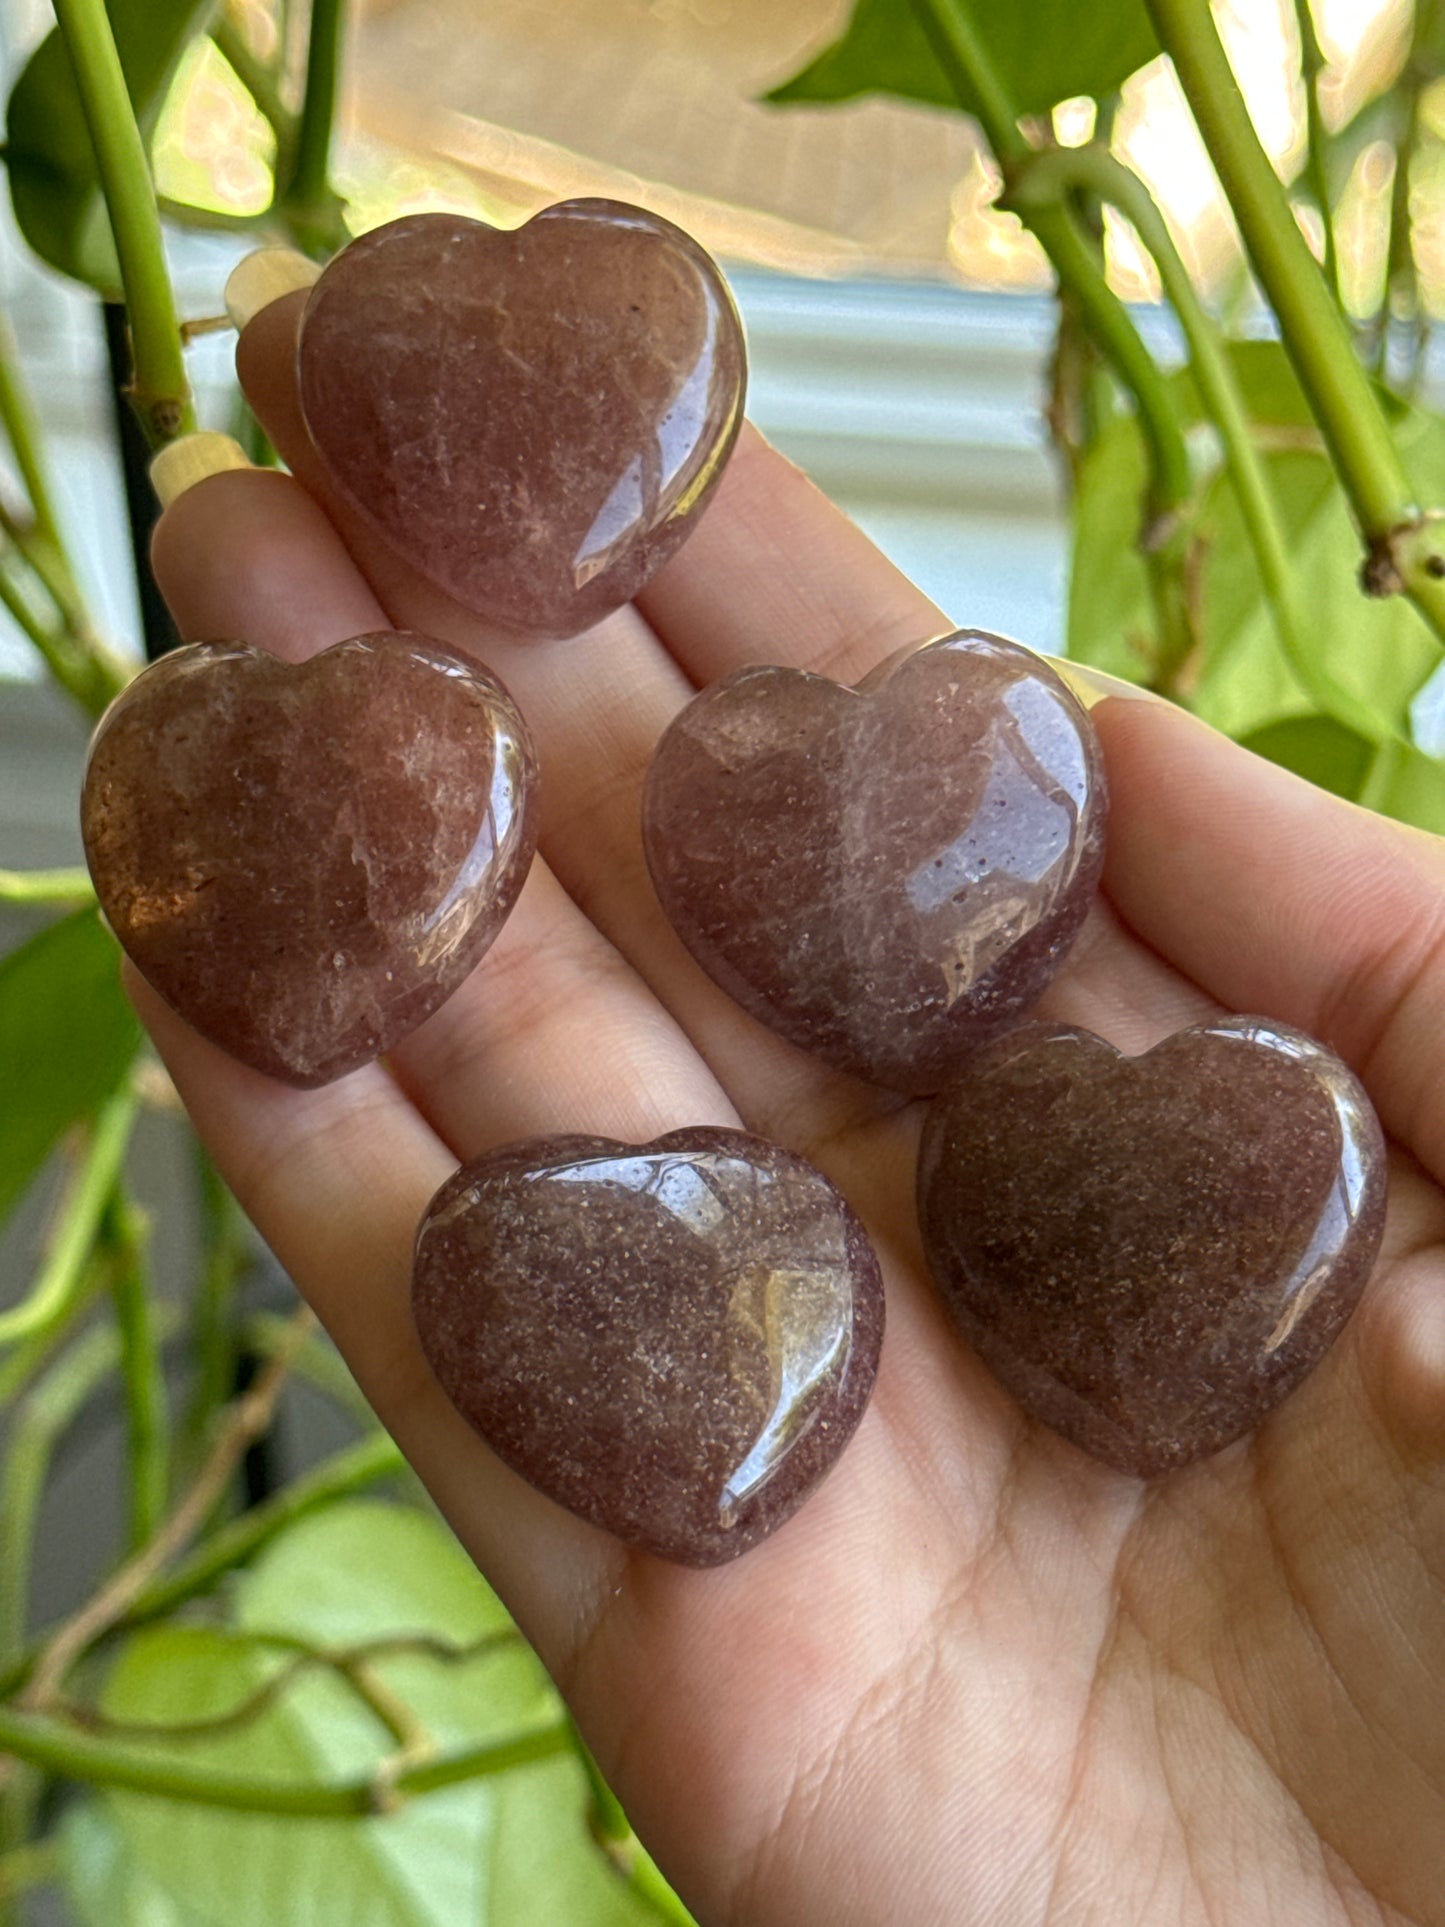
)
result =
(1152, 1252)
(885, 875)
(674, 1340)
(305, 860)
(536, 418)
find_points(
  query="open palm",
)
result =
(979, 1679)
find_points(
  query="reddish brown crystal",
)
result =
(885, 875)
(535, 419)
(674, 1340)
(1152, 1252)
(305, 860)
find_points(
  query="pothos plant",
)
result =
(315, 1686)
(1282, 574)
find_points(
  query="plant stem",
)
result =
(318, 1362)
(24, 1365)
(159, 389)
(127, 1233)
(1059, 169)
(90, 676)
(303, 1657)
(1401, 555)
(1312, 65)
(308, 201)
(64, 1268)
(351, 1470)
(39, 1424)
(954, 37)
(961, 52)
(248, 1419)
(58, 1750)
(22, 431)
(60, 887)
(612, 1831)
(225, 1254)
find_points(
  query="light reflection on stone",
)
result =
(674, 1340)
(885, 875)
(535, 418)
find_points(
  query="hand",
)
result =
(979, 1679)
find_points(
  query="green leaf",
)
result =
(1319, 748)
(363, 1569)
(1410, 785)
(1378, 652)
(1045, 51)
(495, 1851)
(103, 1884)
(422, 1867)
(53, 181)
(544, 1863)
(1111, 611)
(67, 1037)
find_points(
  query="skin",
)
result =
(979, 1679)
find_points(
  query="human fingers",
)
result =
(1275, 897)
(597, 704)
(776, 573)
(553, 1030)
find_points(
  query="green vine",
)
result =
(62, 1275)
(160, 390)
(1052, 174)
(56, 1747)
(961, 52)
(1402, 555)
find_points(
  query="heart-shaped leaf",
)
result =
(54, 183)
(492, 1852)
(67, 1038)
(1044, 52)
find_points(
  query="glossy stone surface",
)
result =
(534, 418)
(305, 860)
(885, 875)
(1152, 1252)
(674, 1340)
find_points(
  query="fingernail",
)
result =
(1092, 685)
(263, 277)
(190, 459)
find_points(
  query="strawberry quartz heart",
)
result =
(1151, 1252)
(305, 860)
(884, 875)
(534, 419)
(674, 1340)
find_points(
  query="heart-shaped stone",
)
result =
(885, 875)
(305, 860)
(674, 1340)
(534, 418)
(1152, 1252)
